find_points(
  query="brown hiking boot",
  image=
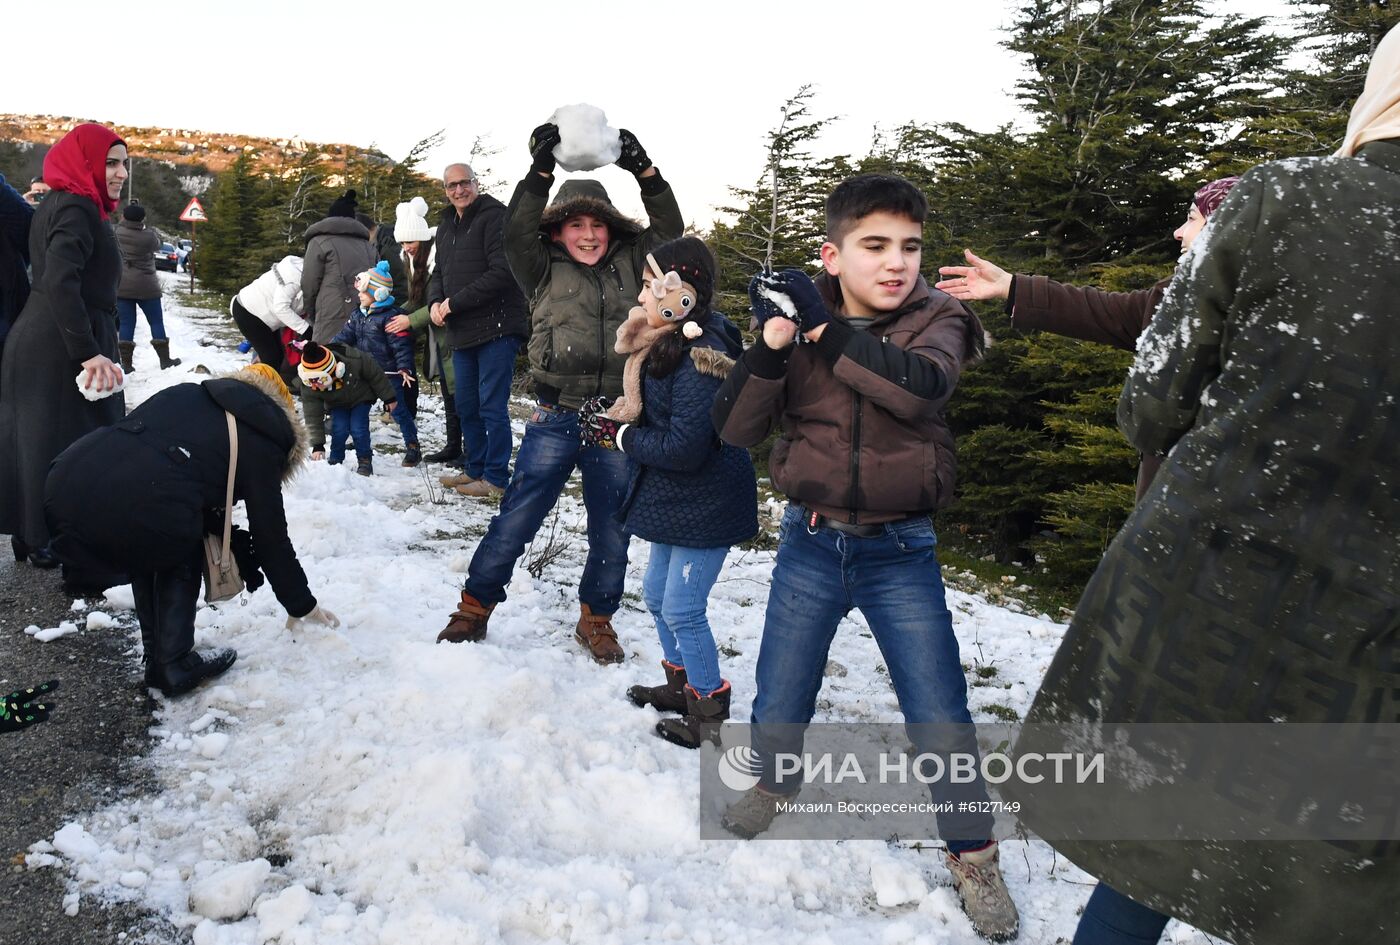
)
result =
(596, 634)
(468, 622)
(479, 489)
(985, 899)
(667, 698)
(456, 479)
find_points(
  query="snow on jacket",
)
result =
(366, 331)
(1258, 579)
(363, 383)
(472, 274)
(575, 310)
(337, 250)
(166, 464)
(864, 438)
(275, 297)
(689, 487)
(137, 243)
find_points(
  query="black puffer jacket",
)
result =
(472, 272)
(134, 496)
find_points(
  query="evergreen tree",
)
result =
(232, 244)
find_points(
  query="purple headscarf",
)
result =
(1212, 195)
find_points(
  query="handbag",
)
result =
(221, 578)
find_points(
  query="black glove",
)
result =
(249, 568)
(798, 286)
(633, 157)
(25, 707)
(543, 141)
(765, 308)
(594, 429)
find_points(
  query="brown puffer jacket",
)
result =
(864, 437)
(1109, 318)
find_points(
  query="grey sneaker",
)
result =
(751, 814)
(985, 899)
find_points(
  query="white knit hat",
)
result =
(411, 221)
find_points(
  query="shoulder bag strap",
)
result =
(228, 494)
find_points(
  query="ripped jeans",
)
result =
(677, 591)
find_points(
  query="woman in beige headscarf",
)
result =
(1376, 114)
(1257, 580)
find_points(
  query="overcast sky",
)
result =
(700, 83)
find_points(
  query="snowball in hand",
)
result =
(586, 140)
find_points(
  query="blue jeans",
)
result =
(1111, 918)
(483, 376)
(353, 422)
(126, 318)
(894, 580)
(548, 454)
(677, 589)
(403, 411)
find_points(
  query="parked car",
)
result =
(167, 257)
(185, 248)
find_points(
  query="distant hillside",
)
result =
(208, 150)
(172, 164)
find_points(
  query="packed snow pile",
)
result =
(586, 140)
(368, 786)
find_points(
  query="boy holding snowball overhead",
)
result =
(580, 263)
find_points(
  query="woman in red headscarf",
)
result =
(67, 327)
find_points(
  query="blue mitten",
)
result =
(763, 307)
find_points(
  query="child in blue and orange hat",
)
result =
(367, 329)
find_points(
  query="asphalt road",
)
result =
(87, 755)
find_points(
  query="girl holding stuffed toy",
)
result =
(691, 495)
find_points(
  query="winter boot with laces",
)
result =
(985, 899)
(468, 622)
(162, 346)
(595, 634)
(412, 455)
(701, 722)
(365, 466)
(667, 698)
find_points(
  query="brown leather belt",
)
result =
(815, 520)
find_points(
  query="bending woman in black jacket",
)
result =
(139, 496)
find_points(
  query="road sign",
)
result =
(194, 212)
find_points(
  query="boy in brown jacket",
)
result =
(865, 456)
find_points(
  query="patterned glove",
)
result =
(764, 307)
(633, 157)
(543, 141)
(798, 286)
(25, 707)
(594, 429)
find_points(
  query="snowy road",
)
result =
(369, 786)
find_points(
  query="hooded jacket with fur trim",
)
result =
(167, 464)
(575, 310)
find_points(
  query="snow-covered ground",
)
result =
(368, 786)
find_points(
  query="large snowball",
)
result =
(586, 140)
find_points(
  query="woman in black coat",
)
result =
(67, 327)
(168, 460)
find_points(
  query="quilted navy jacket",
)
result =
(688, 487)
(365, 330)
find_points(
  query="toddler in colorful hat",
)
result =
(376, 288)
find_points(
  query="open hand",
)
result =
(979, 280)
(397, 324)
(101, 372)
